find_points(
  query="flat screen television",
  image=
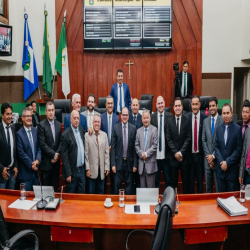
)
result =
(5, 40)
(127, 24)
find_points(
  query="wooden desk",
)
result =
(84, 219)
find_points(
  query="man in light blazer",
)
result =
(89, 114)
(120, 89)
(210, 125)
(146, 147)
(244, 172)
(97, 164)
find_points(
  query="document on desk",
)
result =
(22, 204)
(144, 209)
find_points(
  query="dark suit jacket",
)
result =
(83, 122)
(4, 155)
(180, 142)
(24, 152)
(230, 152)
(138, 122)
(190, 86)
(34, 123)
(69, 152)
(127, 97)
(202, 118)
(117, 147)
(154, 122)
(47, 144)
(104, 122)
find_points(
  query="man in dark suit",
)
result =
(227, 145)
(72, 152)
(210, 126)
(245, 114)
(160, 120)
(196, 119)
(35, 116)
(135, 117)
(76, 104)
(179, 138)
(8, 159)
(121, 94)
(185, 88)
(28, 151)
(49, 131)
(123, 155)
(108, 121)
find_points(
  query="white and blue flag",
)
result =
(31, 82)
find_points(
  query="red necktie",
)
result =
(248, 159)
(195, 134)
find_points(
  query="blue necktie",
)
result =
(32, 145)
(212, 129)
(109, 130)
(134, 119)
(145, 138)
(9, 148)
(120, 98)
(160, 135)
(226, 134)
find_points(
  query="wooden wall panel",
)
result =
(152, 72)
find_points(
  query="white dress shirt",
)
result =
(118, 99)
(198, 128)
(161, 155)
(11, 142)
(182, 84)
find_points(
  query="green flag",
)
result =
(62, 65)
(47, 72)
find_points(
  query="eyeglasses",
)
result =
(29, 116)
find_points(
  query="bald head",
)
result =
(135, 106)
(75, 118)
(160, 104)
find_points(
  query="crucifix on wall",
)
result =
(128, 64)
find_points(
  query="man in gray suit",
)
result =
(210, 125)
(89, 114)
(146, 147)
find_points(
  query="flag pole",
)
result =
(64, 20)
(53, 83)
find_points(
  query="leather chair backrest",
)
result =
(204, 100)
(146, 104)
(234, 118)
(163, 228)
(83, 108)
(4, 233)
(102, 102)
(58, 115)
(147, 97)
(64, 105)
(100, 110)
(186, 105)
(167, 109)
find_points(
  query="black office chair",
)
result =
(163, 228)
(147, 97)
(186, 106)
(204, 100)
(83, 108)
(101, 102)
(17, 242)
(234, 118)
(58, 115)
(167, 109)
(100, 110)
(64, 105)
(146, 104)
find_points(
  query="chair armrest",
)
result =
(20, 235)
(137, 230)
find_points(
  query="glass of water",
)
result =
(242, 194)
(22, 191)
(121, 197)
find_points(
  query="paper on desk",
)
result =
(22, 204)
(144, 209)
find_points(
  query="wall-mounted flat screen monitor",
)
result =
(127, 24)
(5, 40)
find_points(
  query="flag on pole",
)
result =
(62, 65)
(47, 71)
(31, 82)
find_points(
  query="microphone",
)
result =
(42, 203)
